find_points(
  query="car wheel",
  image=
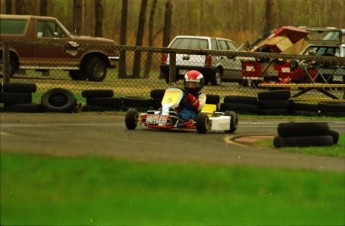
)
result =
(95, 70)
(233, 121)
(216, 80)
(131, 119)
(202, 123)
(77, 75)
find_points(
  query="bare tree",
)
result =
(43, 7)
(139, 40)
(123, 36)
(151, 38)
(19, 6)
(77, 15)
(8, 6)
(99, 18)
(167, 22)
(268, 16)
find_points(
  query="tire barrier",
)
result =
(274, 102)
(304, 134)
(303, 109)
(139, 103)
(240, 104)
(101, 100)
(332, 109)
(58, 100)
(17, 97)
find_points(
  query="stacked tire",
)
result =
(304, 134)
(17, 97)
(139, 103)
(59, 100)
(101, 100)
(240, 104)
(274, 102)
(303, 109)
(332, 109)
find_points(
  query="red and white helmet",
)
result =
(193, 81)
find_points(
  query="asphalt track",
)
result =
(106, 135)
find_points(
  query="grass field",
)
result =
(43, 190)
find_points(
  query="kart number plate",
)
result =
(156, 119)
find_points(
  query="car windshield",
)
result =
(189, 43)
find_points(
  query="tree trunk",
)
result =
(139, 40)
(43, 7)
(8, 7)
(19, 7)
(268, 16)
(99, 18)
(77, 15)
(167, 23)
(123, 36)
(150, 39)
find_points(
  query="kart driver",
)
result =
(193, 100)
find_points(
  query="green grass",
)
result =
(43, 190)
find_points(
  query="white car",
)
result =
(215, 68)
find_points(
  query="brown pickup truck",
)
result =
(43, 43)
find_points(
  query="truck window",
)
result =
(49, 29)
(11, 26)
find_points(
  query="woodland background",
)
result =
(156, 22)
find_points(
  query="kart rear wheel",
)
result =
(202, 123)
(131, 118)
(233, 121)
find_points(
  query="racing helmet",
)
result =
(193, 81)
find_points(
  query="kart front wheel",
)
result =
(131, 119)
(233, 121)
(202, 123)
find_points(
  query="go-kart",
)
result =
(167, 117)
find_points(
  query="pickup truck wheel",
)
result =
(216, 80)
(77, 75)
(202, 123)
(131, 119)
(95, 70)
(233, 121)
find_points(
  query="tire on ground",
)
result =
(131, 119)
(233, 121)
(202, 123)
(58, 100)
(241, 99)
(306, 141)
(97, 93)
(26, 108)
(16, 98)
(113, 102)
(140, 103)
(240, 108)
(19, 87)
(274, 95)
(335, 136)
(292, 129)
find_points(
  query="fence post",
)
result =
(5, 62)
(172, 69)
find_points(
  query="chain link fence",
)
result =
(143, 69)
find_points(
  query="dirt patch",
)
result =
(251, 139)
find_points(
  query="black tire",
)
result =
(99, 108)
(212, 99)
(274, 111)
(331, 107)
(97, 93)
(157, 93)
(274, 95)
(233, 121)
(19, 87)
(240, 108)
(77, 75)
(26, 108)
(140, 103)
(114, 102)
(292, 129)
(95, 69)
(58, 100)
(241, 100)
(16, 98)
(306, 141)
(274, 104)
(216, 79)
(131, 119)
(277, 141)
(202, 123)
